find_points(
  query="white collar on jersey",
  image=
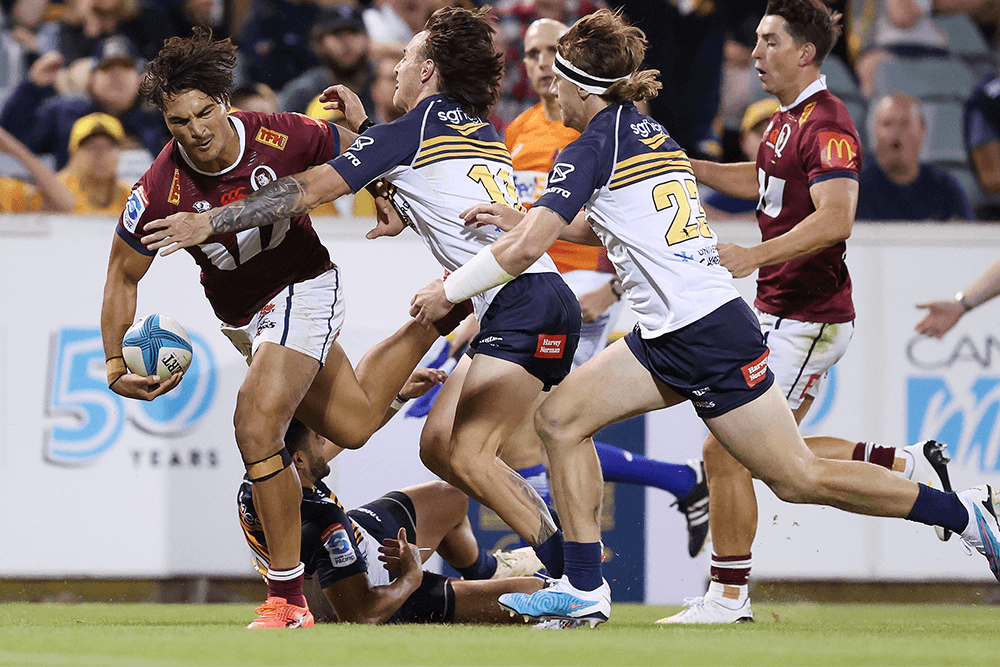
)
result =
(813, 88)
(241, 132)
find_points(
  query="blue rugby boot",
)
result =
(561, 601)
(983, 531)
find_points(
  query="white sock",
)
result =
(723, 594)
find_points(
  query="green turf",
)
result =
(113, 635)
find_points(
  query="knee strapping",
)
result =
(259, 471)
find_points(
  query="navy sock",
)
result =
(483, 568)
(583, 565)
(550, 552)
(619, 465)
(937, 508)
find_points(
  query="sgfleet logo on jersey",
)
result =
(459, 117)
(551, 347)
(175, 189)
(338, 545)
(269, 137)
(756, 370)
(837, 149)
(134, 208)
(647, 128)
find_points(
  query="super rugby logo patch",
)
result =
(338, 545)
(134, 208)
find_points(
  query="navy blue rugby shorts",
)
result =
(534, 322)
(718, 363)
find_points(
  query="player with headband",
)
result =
(696, 339)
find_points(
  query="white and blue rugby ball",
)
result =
(156, 345)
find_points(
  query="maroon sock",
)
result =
(289, 589)
(731, 570)
(880, 456)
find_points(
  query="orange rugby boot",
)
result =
(277, 613)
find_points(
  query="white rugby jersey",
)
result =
(440, 162)
(641, 198)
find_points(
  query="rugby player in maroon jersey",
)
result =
(805, 179)
(274, 288)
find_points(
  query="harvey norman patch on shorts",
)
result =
(551, 346)
(756, 370)
(339, 546)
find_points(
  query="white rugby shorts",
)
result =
(593, 335)
(802, 353)
(305, 317)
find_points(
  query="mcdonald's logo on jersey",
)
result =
(272, 138)
(837, 149)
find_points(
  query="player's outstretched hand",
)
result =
(737, 259)
(430, 304)
(421, 381)
(144, 388)
(388, 221)
(498, 215)
(400, 557)
(941, 316)
(180, 230)
(343, 99)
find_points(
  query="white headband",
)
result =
(594, 85)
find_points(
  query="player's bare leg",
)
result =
(477, 409)
(347, 405)
(443, 522)
(275, 383)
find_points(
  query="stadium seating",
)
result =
(966, 42)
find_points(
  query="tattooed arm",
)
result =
(286, 197)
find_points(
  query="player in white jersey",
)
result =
(696, 338)
(440, 158)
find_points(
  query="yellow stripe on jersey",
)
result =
(651, 164)
(254, 543)
(655, 141)
(357, 531)
(443, 148)
(466, 129)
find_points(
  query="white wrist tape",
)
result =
(479, 274)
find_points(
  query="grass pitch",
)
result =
(116, 635)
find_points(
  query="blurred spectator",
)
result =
(258, 98)
(47, 193)
(517, 95)
(341, 44)
(43, 120)
(163, 19)
(982, 141)
(896, 185)
(753, 126)
(86, 23)
(384, 87)
(396, 21)
(92, 172)
(883, 27)
(275, 41)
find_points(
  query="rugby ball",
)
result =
(156, 345)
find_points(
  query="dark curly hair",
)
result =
(809, 21)
(190, 63)
(460, 42)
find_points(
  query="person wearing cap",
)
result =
(755, 120)
(92, 172)
(43, 120)
(341, 44)
(46, 193)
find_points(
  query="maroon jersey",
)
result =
(240, 271)
(812, 141)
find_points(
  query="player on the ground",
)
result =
(274, 288)
(440, 158)
(339, 549)
(806, 179)
(696, 339)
